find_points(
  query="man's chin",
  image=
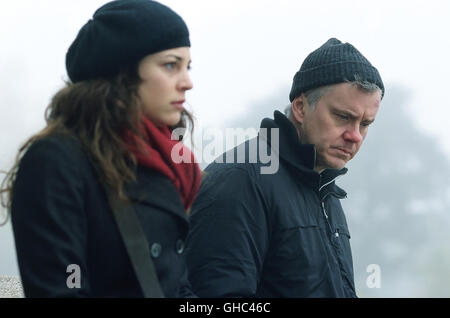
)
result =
(337, 164)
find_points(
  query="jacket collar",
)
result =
(301, 157)
(156, 191)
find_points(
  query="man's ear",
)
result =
(298, 108)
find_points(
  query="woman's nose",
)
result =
(185, 82)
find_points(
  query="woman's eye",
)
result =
(170, 66)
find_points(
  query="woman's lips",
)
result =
(179, 104)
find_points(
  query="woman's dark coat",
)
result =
(61, 216)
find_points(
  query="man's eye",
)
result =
(343, 117)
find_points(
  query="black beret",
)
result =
(334, 62)
(120, 34)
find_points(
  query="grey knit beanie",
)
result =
(334, 62)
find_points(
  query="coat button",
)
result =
(155, 250)
(180, 246)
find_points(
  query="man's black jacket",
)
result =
(270, 235)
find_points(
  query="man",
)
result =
(285, 234)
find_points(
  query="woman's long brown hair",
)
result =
(97, 112)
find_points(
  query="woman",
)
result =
(109, 128)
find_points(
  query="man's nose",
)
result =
(353, 134)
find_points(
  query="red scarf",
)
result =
(157, 156)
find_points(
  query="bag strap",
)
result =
(137, 246)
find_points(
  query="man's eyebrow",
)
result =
(351, 114)
(344, 112)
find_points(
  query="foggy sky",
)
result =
(242, 53)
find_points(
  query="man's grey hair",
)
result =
(313, 95)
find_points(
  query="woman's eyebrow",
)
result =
(175, 56)
(178, 58)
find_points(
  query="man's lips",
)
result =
(345, 151)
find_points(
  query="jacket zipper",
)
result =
(334, 233)
(336, 236)
(320, 178)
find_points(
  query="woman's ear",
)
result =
(298, 108)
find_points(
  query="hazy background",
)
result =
(244, 56)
